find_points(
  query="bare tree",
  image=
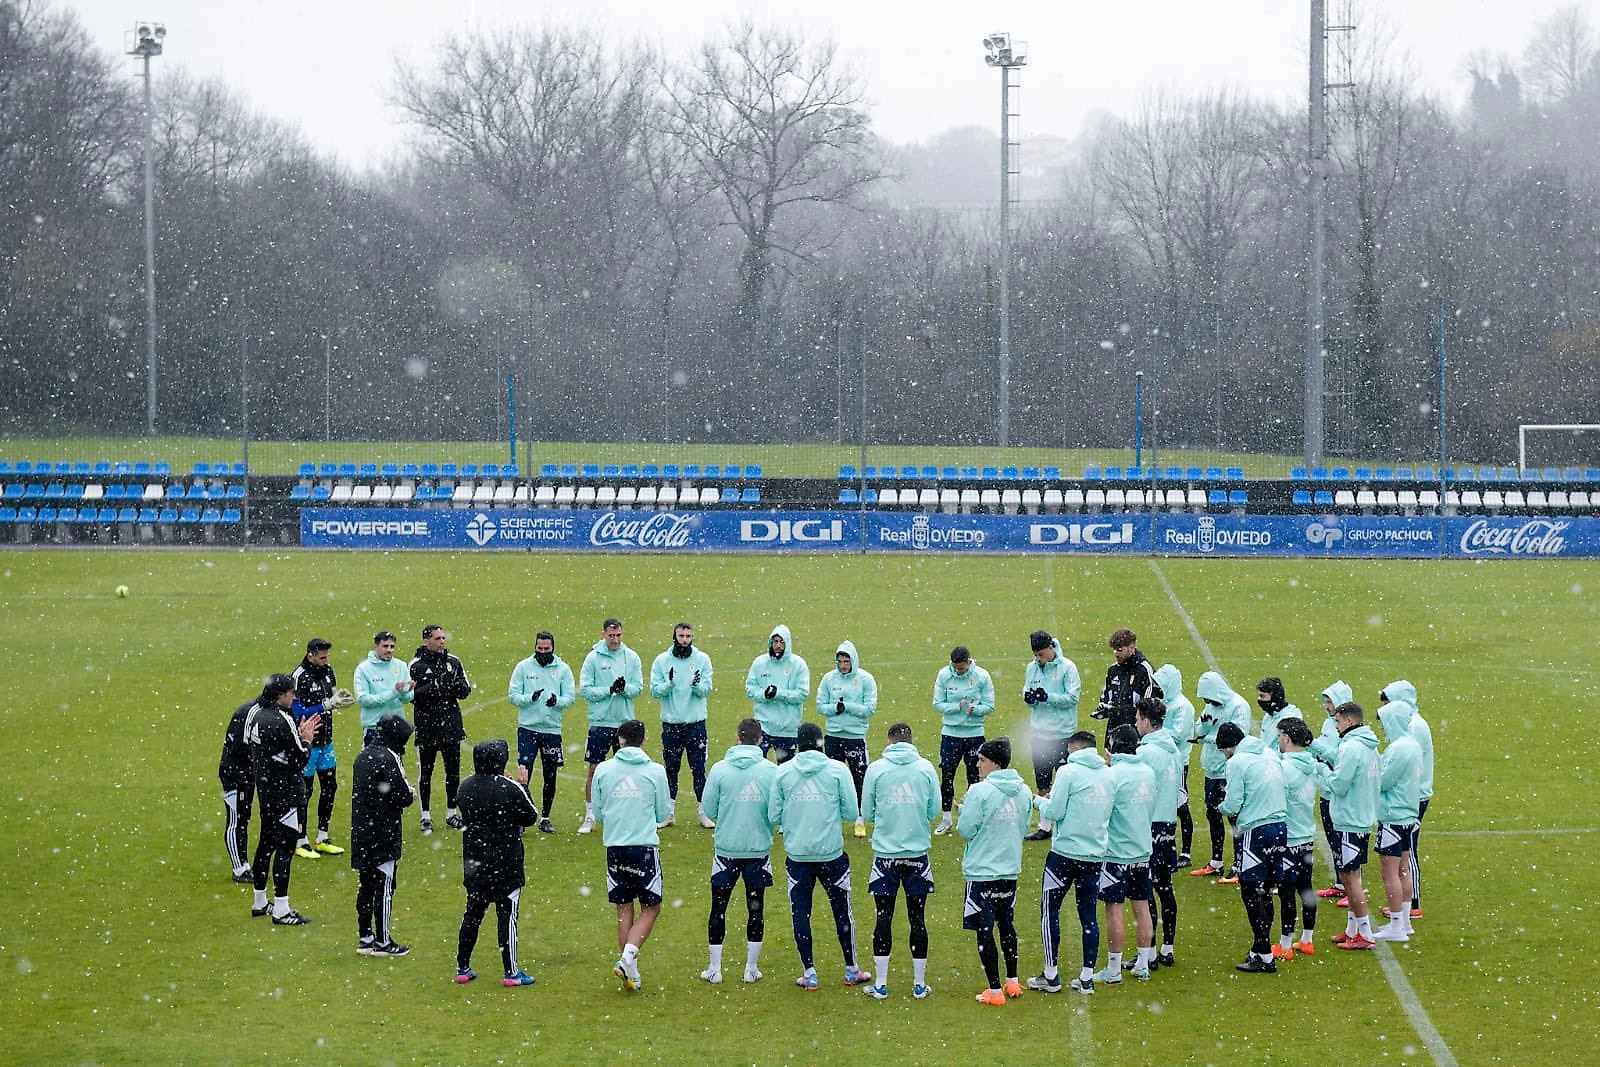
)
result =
(1561, 55)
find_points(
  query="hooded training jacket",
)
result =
(442, 684)
(1399, 767)
(1180, 714)
(313, 688)
(1231, 708)
(1056, 716)
(379, 793)
(994, 818)
(542, 694)
(1326, 745)
(1128, 837)
(496, 810)
(1352, 786)
(233, 769)
(277, 759)
(1300, 795)
(900, 798)
(1079, 805)
(1159, 752)
(1403, 692)
(374, 682)
(789, 676)
(682, 684)
(859, 692)
(737, 793)
(810, 797)
(630, 798)
(963, 701)
(1255, 793)
(601, 668)
(1277, 709)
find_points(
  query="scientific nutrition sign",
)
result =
(1346, 536)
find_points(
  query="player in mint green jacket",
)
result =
(994, 818)
(1352, 787)
(900, 797)
(1255, 798)
(1422, 733)
(1129, 841)
(847, 697)
(611, 677)
(681, 679)
(1220, 704)
(1180, 724)
(778, 685)
(383, 685)
(963, 695)
(738, 791)
(1274, 705)
(1323, 749)
(1297, 877)
(1159, 752)
(1079, 808)
(1399, 796)
(631, 799)
(811, 795)
(542, 690)
(1051, 688)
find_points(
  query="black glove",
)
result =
(1101, 711)
(1028, 697)
(619, 684)
(1206, 718)
(839, 708)
(550, 702)
(1040, 696)
(537, 693)
(696, 679)
(671, 673)
(771, 691)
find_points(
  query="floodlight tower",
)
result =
(1009, 58)
(147, 43)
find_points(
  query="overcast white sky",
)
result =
(327, 66)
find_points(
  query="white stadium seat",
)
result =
(483, 494)
(928, 499)
(1053, 500)
(566, 496)
(1344, 498)
(605, 496)
(503, 494)
(647, 496)
(1366, 498)
(584, 498)
(989, 498)
(1492, 498)
(361, 494)
(1135, 498)
(627, 496)
(340, 494)
(1536, 499)
(1558, 498)
(888, 496)
(668, 496)
(1072, 500)
(1094, 499)
(688, 496)
(544, 496)
(382, 494)
(1514, 498)
(1387, 498)
(1010, 501)
(1032, 500)
(969, 499)
(520, 495)
(462, 495)
(1116, 499)
(949, 501)
(1471, 499)
(1428, 498)
(404, 492)
(1195, 498)
(1581, 498)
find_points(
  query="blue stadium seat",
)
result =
(848, 495)
(650, 470)
(969, 473)
(751, 495)
(1216, 498)
(1112, 474)
(424, 493)
(102, 467)
(990, 474)
(234, 492)
(1466, 474)
(430, 470)
(847, 473)
(168, 516)
(905, 472)
(112, 492)
(448, 470)
(1508, 474)
(949, 474)
(730, 494)
(469, 470)
(67, 515)
(589, 470)
(390, 470)
(1363, 474)
(610, 470)
(347, 470)
(929, 473)
(1234, 474)
(1052, 474)
(1009, 474)
(1340, 474)
(308, 470)
(1591, 474)
(28, 514)
(300, 492)
(1193, 474)
(8, 514)
(34, 491)
(408, 470)
(733, 470)
(75, 491)
(1424, 474)
(510, 470)
(327, 470)
(569, 470)
(1323, 498)
(1572, 474)
(5, 466)
(122, 466)
(48, 514)
(128, 515)
(142, 467)
(366, 470)
(691, 470)
(14, 490)
(1213, 474)
(1383, 474)
(869, 472)
(1091, 474)
(196, 492)
(189, 517)
(148, 515)
(83, 467)
(238, 468)
(669, 470)
(714, 470)
(630, 470)
(489, 470)
(320, 493)
(889, 473)
(231, 516)
(1488, 474)
(1030, 474)
(211, 515)
(55, 491)
(1403, 474)
(1238, 498)
(1302, 498)
(871, 497)
(202, 468)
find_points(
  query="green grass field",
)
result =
(123, 940)
(776, 460)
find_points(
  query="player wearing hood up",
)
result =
(1158, 751)
(1079, 808)
(738, 791)
(1125, 875)
(681, 679)
(847, 697)
(1180, 724)
(542, 690)
(1352, 788)
(1404, 692)
(963, 695)
(1051, 688)
(611, 677)
(900, 798)
(994, 819)
(1222, 705)
(1255, 799)
(1295, 874)
(1323, 749)
(1275, 707)
(495, 810)
(631, 800)
(379, 793)
(810, 797)
(441, 685)
(1400, 794)
(778, 685)
(278, 747)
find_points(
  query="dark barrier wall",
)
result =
(789, 531)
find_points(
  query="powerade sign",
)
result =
(1341, 536)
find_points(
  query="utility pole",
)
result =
(1008, 58)
(148, 38)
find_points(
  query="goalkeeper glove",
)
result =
(1039, 695)
(342, 698)
(1101, 711)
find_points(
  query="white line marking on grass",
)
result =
(1392, 971)
(1081, 1029)
(1514, 833)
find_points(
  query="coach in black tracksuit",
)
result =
(441, 685)
(1129, 680)
(379, 793)
(496, 810)
(278, 748)
(238, 791)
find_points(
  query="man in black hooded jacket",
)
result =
(379, 793)
(278, 749)
(441, 684)
(496, 811)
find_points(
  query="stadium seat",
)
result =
(483, 494)
(234, 492)
(1030, 474)
(1052, 474)
(1515, 499)
(1302, 498)
(990, 474)
(1471, 498)
(424, 492)
(404, 493)
(648, 470)
(669, 470)
(211, 515)
(1092, 474)
(340, 494)
(949, 474)
(1051, 500)
(1193, 474)
(1493, 499)
(1388, 499)
(647, 496)
(927, 499)
(1537, 500)
(949, 501)
(730, 494)
(1010, 501)
(1582, 498)
(147, 515)
(505, 494)
(489, 470)
(1111, 474)
(1559, 499)
(888, 473)
(607, 470)
(1323, 498)
(689, 497)
(867, 472)
(691, 470)
(1340, 474)
(668, 495)
(65, 515)
(1135, 498)
(381, 493)
(549, 470)
(461, 495)
(989, 498)
(1033, 500)
(627, 496)
(48, 514)
(1213, 474)
(361, 494)
(1217, 498)
(1362, 474)
(544, 496)
(1238, 498)
(848, 495)
(1072, 499)
(752, 471)
(1428, 498)
(605, 496)
(321, 492)
(969, 473)
(1571, 474)
(1344, 498)
(566, 496)
(1424, 474)
(1234, 474)
(31, 514)
(300, 492)
(8, 514)
(889, 496)
(231, 516)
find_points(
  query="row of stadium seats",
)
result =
(591, 471)
(646, 471)
(850, 473)
(1009, 501)
(1408, 500)
(95, 467)
(144, 516)
(508, 494)
(1458, 474)
(33, 491)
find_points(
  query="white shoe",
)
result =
(1391, 932)
(945, 825)
(587, 825)
(668, 821)
(712, 975)
(752, 975)
(707, 821)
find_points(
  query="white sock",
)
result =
(1086, 974)
(1046, 826)
(1050, 972)
(1166, 948)
(882, 962)
(322, 835)
(919, 971)
(1113, 962)
(716, 958)
(752, 955)
(303, 843)
(630, 952)
(946, 818)
(449, 813)
(809, 971)
(280, 906)
(1286, 940)
(1305, 937)
(1351, 925)
(1145, 956)
(1364, 927)
(588, 810)
(261, 899)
